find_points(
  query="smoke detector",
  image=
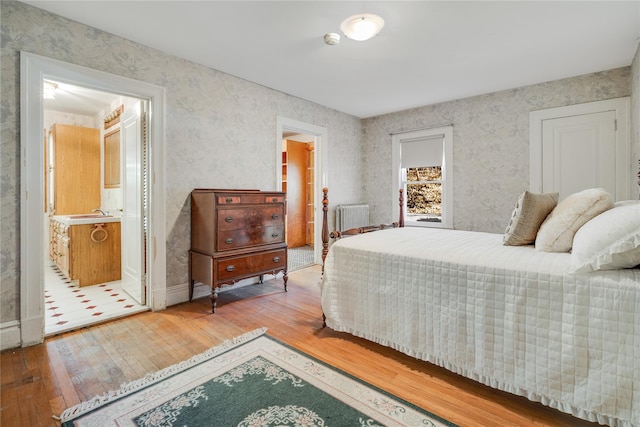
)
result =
(332, 38)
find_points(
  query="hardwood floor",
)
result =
(43, 380)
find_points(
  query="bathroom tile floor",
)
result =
(68, 306)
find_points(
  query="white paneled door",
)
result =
(582, 146)
(579, 152)
(133, 207)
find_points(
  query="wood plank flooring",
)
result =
(40, 381)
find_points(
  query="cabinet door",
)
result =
(76, 170)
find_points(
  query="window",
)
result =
(422, 168)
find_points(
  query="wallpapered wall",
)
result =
(635, 112)
(490, 145)
(220, 130)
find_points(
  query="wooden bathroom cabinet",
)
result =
(86, 253)
(73, 170)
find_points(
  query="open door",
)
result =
(133, 221)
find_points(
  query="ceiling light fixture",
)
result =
(362, 26)
(49, 89)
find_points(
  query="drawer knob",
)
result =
(229, 200)
(275, 216)
(275, 235)
(229, 241)
(275, 200)
(276, 259)
(228, 219)
(230, 268)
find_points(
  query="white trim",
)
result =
(33, 69)
(621, 106)
(9, 335)
(321, 144)
(447, 172)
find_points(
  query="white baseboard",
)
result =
(9, 335)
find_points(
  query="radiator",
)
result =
(352, 216)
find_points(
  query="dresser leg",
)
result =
(285, 278)
(214, 299)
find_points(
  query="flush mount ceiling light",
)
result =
(362, 26)
(49, 89)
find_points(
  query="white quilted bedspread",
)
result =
(509, 317)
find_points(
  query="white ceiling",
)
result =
(428, 51)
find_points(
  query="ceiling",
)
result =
(79, 100)
(428, 52)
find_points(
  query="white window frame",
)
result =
(447, 174)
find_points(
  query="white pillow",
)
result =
(557, 231)
(609, 241)
(531, 209)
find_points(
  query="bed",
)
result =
(515, 318)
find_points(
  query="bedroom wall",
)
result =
(220, 130)
(635, 113)
(490, 145)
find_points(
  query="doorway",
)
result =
(313, 140)
(90, 135)
(34, 69)
(298, 182)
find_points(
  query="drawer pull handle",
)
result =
(229, 241)
(274, 235)
(275, 200)
(275, 216)
(230, 268)
(229, 200)
(276, 259)
(228, 219)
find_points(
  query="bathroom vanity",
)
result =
(86, 248)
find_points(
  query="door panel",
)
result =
(579, 152)
(132, 215)
(296, 193)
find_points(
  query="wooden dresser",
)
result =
(236, 234)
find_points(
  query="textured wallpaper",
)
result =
(490, 145)
(635, 115)
(220, 130)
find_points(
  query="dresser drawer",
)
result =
(228, 200)
(252, 217)
(248, 198)
(249, 236)
(248, 265)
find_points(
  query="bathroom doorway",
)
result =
(34, 70)
(110, 127)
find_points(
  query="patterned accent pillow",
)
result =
(557, 231)
(609, 241)
(530, 211)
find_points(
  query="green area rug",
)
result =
(252, 380)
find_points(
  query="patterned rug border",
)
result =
(155, 377)
(363, 382)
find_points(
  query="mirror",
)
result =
(112, 159)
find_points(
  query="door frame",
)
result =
(621, 106)
(33, 70)
(320, 144)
